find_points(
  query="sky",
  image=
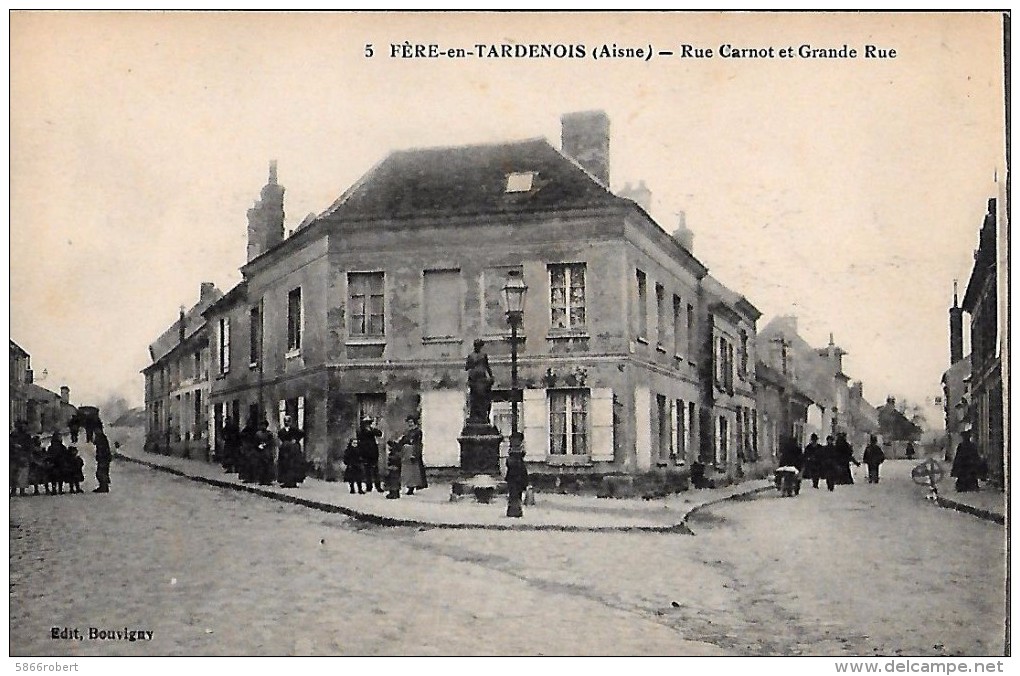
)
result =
(848, 192)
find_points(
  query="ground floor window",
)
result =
(722, 434)
(568, 422)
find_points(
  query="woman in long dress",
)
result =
(412, 467)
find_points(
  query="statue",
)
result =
(479, 384)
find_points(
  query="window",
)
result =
(724, 364)
(197, 365)
(664, 413)
(681, 429)
(690, 332)
(365, 294)
(520, 181)
(294, 320)
(566, 296)
(568, 422)
(721, 442)
(442, 305)
(678, 338)
(224, 345)
(642, 301)
(660, 315)
(255, 336)
(740, 433)
(692, 418)
(743, 352)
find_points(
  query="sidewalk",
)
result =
(988, 503)
(431, 507)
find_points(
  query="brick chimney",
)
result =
(265, 218)
(180, 326)
(206, 292)
(955, 329)
(65, 394)
(585, 137)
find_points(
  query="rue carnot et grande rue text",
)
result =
(614, 51)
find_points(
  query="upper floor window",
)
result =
(660, 315)
(743, 352)
(642, 301)
(294, 320)
(678, 324)
(520, 181)
(566, 295)
(223, 344)
(366, 306)
(442, 306)
(255, 335)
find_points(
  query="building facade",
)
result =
(987, 412)
(177, 384)
(371, 308)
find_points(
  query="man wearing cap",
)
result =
(368, 446)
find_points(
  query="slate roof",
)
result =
(193, 323)
(471, 179)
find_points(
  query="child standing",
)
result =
(75, 470)
(352, 466)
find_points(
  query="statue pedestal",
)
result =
(479, 448)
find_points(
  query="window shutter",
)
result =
(442, 416)
(602, 425)
(674, 439)
(300, 422)
(283, 412)
(536, 424)
(643, 442)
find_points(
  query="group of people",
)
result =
(56, 465)
(405, 467)
(259, 456)
(832, 461)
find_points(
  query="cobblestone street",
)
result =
(863, 571)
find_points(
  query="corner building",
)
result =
(372, 306)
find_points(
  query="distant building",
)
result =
(20, 375)
(42, 411)
(177, 384)
(897, 429)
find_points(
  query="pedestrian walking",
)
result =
(910, 450)
(75, 470)
(368, 435)
(844, 458)
(264, 447)
(291, 464)
(516, 479)
(247, 452)
(873, 458)
(812, 461)
(103, 458)
(967, 465)
(829, 463)
(412, 469)
(353, 467)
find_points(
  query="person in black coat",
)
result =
(813, 462)
(967, 465)
(75, 470)
(516, 479)
(55, 462)
(103, 457)
(844, 457)
(353, 474)
(292, 459)
(264, 446)
(247, 453)
(231, 437)
(368, 435)
(873, 458)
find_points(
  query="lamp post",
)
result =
(514, 292)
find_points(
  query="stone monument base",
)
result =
(479, 449)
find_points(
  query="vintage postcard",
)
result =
(510, 333)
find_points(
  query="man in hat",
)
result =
(368, 446)
(103, 457)
(966, 464)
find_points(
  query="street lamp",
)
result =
(514, 292)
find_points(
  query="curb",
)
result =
(975, 511)
(367, 517)
(710, 503)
